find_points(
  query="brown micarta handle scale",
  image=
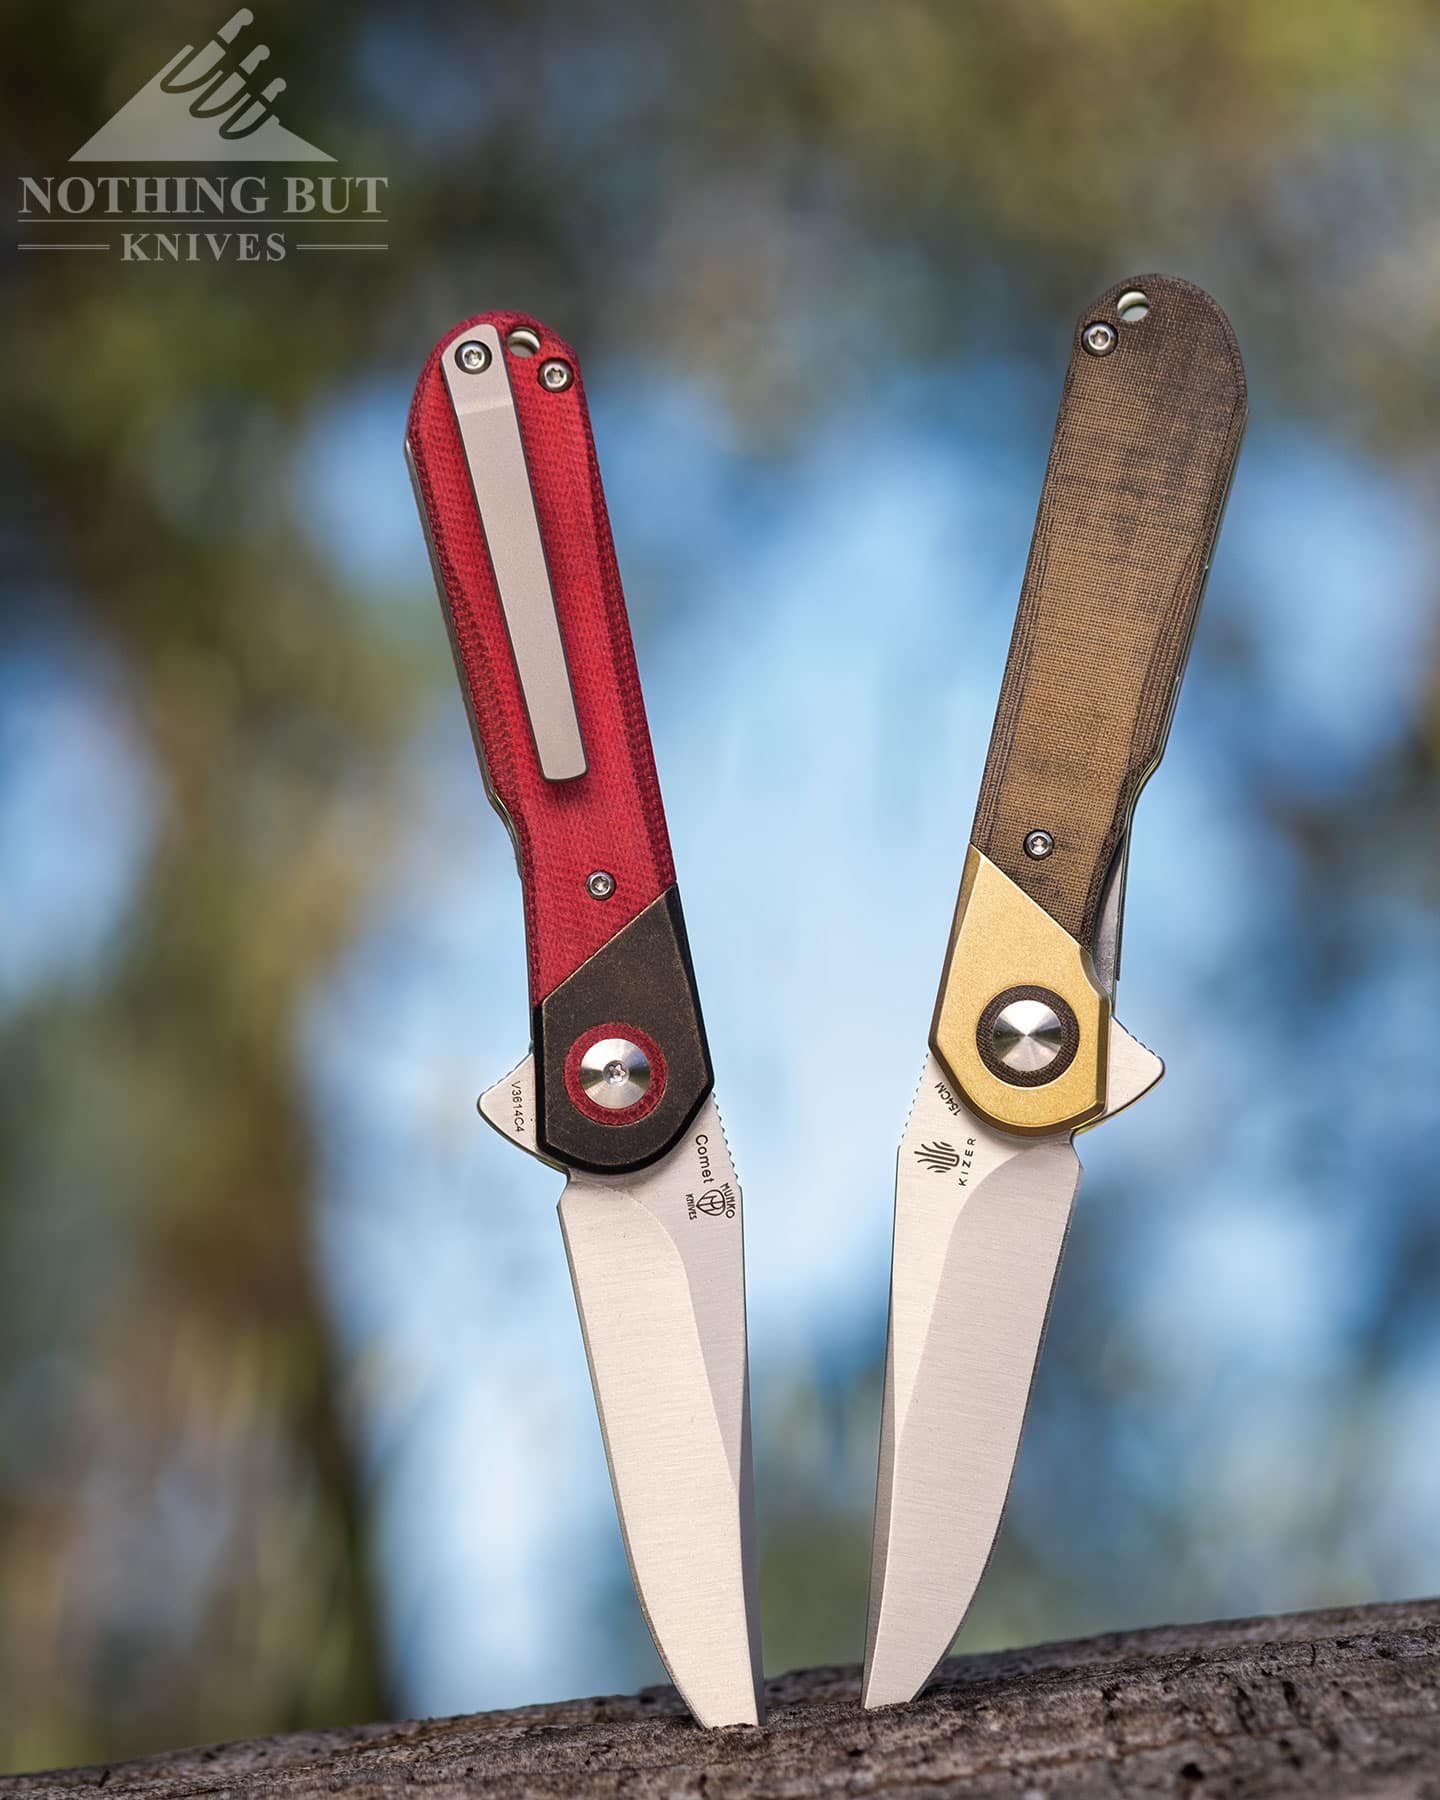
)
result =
(1145, 446)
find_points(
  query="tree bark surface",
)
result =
(1342, 1703)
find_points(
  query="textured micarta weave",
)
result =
(611, 817)
(1145, 446)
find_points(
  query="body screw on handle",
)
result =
(1099, 338)
(556, 375)
(1038, 845)
(600, 885)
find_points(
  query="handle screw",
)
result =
(600, 885)
(1038, 845)
(556, 375)
(473, 357)
(1099, 338)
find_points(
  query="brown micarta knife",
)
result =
(1024, 1048)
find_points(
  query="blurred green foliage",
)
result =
(756, 194)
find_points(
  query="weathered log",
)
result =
(1320, 1704)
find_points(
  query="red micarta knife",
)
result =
(617, 1089)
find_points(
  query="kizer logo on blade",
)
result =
(940, 1158)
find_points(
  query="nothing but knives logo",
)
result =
(202, 106)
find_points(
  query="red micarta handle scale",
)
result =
(609, 819)
(606, 821)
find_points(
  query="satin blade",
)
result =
(657, 1260)
(980, 1222)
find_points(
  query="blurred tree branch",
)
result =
(1323, 1704)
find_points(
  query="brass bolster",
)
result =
(1002, 939)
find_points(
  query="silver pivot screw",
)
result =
(1027, 1036)
(1038, 845)
(614, 1073)
(473, 357)
(1099, 338)
(600, 885)
(556, 375)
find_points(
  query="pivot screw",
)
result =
(614, 1073)
(1099, 338)
(600, 885)
(473, 357)
(1038, 845)
(1027, 1036)
(556, 375)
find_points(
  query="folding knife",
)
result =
(1024, 1048)
(616, 1091)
